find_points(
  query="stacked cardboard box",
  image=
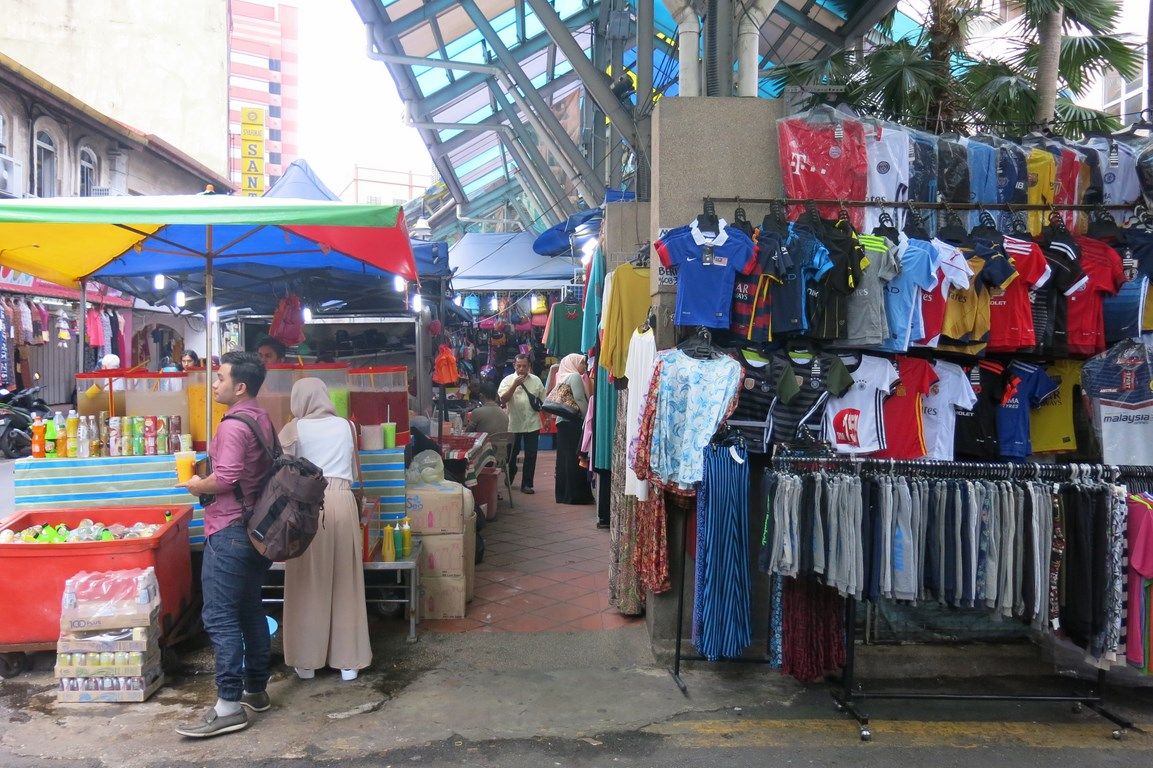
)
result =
(109, 648)
(443, 516)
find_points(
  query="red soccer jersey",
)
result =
(823, 160)
(1066, 191)
(1011, 312)
(1086, 306)
(904, 428)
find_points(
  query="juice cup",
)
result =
(185, 466)
(389, 428)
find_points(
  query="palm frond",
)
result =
(1074, 120)
(1085, 58)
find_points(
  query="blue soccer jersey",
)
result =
(707, 266)
(1026, 387)
(983, 177)
(903, 293)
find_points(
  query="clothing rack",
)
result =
(917, 205)
(850, 691)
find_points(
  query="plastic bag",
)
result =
(427, 467)
(288, 321)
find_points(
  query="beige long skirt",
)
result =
(325, 619)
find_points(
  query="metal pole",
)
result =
(82, 326)
(643, 140)
(208, 333)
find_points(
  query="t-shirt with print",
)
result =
(1118, 165)
(1050, 306)
(1026, 387)
(824, 160)
(966, 328)
(1085, 306)
(952, 271)
(707, 266)
(1011, 311)
(903, 302)
(976, 435)
(868, 323)
(904, 428)
(751, 308)
(1042, 179)
(1120, 381)
(755, 399)
(854, 421)
(827, 301)
(1051, 427)
(802, 382)
(802, 259)
(953, 390)
(888, 181)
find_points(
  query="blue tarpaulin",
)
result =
(559, 240)
(505, 262)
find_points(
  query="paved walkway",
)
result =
(545, 568)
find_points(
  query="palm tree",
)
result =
(940, 82)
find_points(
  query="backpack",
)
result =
(288, 321)
(445, 371)
(287, 512)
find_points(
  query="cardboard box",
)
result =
(86, 642)
(438, 507)
(469, 556)
(442, 555)
(92, 618)
(101, 697)
(442, 597)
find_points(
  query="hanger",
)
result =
(741, 220)
(886, 227)
(987, 228)
(643, 255)
(1144, 122)
(650, 320)
(707, 221)
(915, 223)
(953, 232)
(700, 345)
(811, 218)
(1103, 226)
(775, 220)
(1018, 223)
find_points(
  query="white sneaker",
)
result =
(305, 674)
(349, 674)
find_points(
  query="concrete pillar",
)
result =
(723, 147)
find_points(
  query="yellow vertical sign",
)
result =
(252, 179)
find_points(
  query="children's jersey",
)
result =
(801, 385)
(939, 408)
(888, 179)
(983, 176)
(802, 259)
(966, 327)
(867, 323)
(952, 271)
(707, 266)
(1120, 381)
(1026, 387)
(1050, 316)
(1051, 427)
(976, 435)
(923, 173)
(953, 180)
(1118, 167)
(1042, 178)
(1125, 312)
(854, 421)
(750, 313)
(903, 293)
(904, 428)
(1011, 312)
(1085, 308)
(751, 416)
(824, 160)
(827, 302)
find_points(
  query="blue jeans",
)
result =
(231, 579)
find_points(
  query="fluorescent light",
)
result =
(494, 305)
(586, 258)
(213, 315)
(417, 302)
(307, 314)
(181, 299)
(399, 284)
(158, 282)
(458, 300)
(589, 247)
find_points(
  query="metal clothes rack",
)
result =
(917, 205)
(850, 691)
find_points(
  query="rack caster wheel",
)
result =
(1078, 708)
(12, 664)
(866, 734)
(1119, 734)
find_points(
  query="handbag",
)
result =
(561, 402)
(358, 489)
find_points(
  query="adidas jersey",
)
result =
(952, 271)
(904, 427)
(888, 178)
(1085, 305)
(854, 421)
(976, 428)
(1011, 311)
(822, 160)
(867, 323)
(939, 408)
(802, 383)
(984, 176)
(953, 178)
(1120, 381)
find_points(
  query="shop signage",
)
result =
(19, 282)
(252, 179)
(11, 278)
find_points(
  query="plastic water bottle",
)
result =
(83, 445)
(69, 599)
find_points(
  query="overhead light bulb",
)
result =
(589, 247)
(308, 314)
(417, 302)
(586, 258)
(158, 282)
(400, 284)
(213, 315)
(181, 299)
(458, 300)
(494, 305)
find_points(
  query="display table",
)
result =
(472, 448)
(407, 584)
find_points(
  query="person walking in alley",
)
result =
(523, 420)
(572, 386)
(325, 620)
(232, 572)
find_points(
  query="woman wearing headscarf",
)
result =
(325, 620)
(572, 482)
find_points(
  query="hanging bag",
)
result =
(288, 321)
(560, 402)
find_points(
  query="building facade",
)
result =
(263, 99)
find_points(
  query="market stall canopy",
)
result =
(300, 182)
(574, 231)
(64, 240)
(431, 258)
(505, 262)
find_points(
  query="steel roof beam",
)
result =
(803, 22)
(867, 16)
(546, 90)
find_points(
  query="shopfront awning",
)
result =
(506, 262)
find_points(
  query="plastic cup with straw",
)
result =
(389, 428)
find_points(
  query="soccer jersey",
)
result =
(1051, 427)
(751, 307)
(1125, 312)
(802, 259)
(707, 266)
(1120, 381)
(903, 301)
(1085, 308)
(976, 429)
(751, 416)
(854, 421)
(967, 311)
(984, 176)
(1026, 387)
(827, 301)
(939, 408)
(1011, 311)
(1118, 167)
(801, 385)
(824, 159)
(904, 428)
(1042, 178)
(923, 172)
(867, 323)
(888, 179)
(1068, 189)
(1050, 316)
(952, 271)
(953, 180)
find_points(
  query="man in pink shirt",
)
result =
(233, 571)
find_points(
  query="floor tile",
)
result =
(562, 613)
(526, 623)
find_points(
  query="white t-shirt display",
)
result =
(639, 367)
(938, 415)
(854, 422)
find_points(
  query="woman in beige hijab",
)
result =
(325, 620)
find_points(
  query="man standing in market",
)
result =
(232, 572)
(523, 420)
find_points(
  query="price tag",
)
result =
(736, 456)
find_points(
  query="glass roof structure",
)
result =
(464, 67)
